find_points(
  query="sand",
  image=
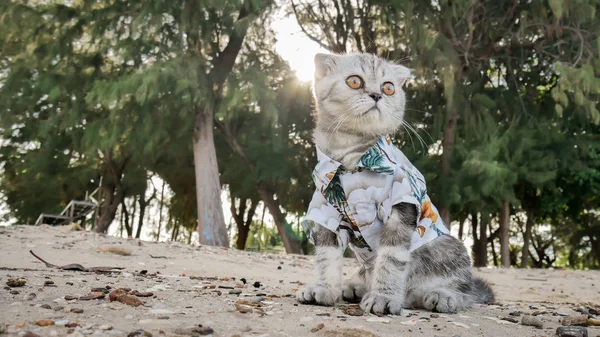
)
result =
(191, 287)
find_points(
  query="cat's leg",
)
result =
(440, 277)
(355, 288)
(327, 289)
(388, 282)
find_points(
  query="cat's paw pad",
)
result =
(353, 292)
(441, 302)
(379, 303)
(318, 294)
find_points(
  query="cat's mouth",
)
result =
(372, 109)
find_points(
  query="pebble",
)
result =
(45, 322)
(510, 319)
(319, 326)
(77, 310)
(14, 292)
(256, 299)
(59, 308)
(378, 320)
(574, 320)
(515, 313)
(46, 306)
(139, 332)
(70, 298)
(235, 291)
(61, 322)
(462, 325)
(571, 331)
(105, 327)
(532, 321)
(48, 283)
(354, 311)
(15, 283)
(195, 331)
(593, 322)
(31, 297)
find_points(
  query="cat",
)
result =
(359, 101)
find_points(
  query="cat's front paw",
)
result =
(353, 292)
(379, 303)
(318, 294)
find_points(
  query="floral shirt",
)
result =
(355, 204)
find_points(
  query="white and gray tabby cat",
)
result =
(359, 100)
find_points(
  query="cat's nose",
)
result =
(375, 97)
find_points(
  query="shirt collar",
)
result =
(378, 159)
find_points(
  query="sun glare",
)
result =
(296, 48)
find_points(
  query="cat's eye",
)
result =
(388, 88)
(354, 82)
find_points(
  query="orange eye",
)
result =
(388, 88)
(354, 82)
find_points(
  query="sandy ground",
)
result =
(192, 286)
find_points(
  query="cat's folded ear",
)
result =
(323, 65)
(403, 74)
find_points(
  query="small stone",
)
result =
(378, 319)
(105, 327)
(15, 283)
(93, 296)
(163, 317)
(510, 319)
(571, 331)
(256, 284)
(77, 311)
(256, 299)
(59, 308)
(48, 283)
(61, 322)
(532, 321)
(46, 306)
(194, 331)
(515, 313)
(140, 332)
(354, 311)
(70, 298)
(31, 297)
(319, 326)
(14, 292)
(69, 283)
(45, 322)
(72, 325)
(434, 315)
(235, 291)
(574, 320)
(30, 334)
(593, 322)
(278, 267)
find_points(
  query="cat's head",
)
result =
(359, 94)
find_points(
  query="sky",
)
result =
(295, 47)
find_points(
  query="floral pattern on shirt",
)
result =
(342, 204)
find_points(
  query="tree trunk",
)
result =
(108, 209)
(243, 220)
(491, 242)
(143, 204)
(126, 217)
(481, 256)
(474, 224)
(160, 208)
(211, 224)
(291, 243)
(527, 237)
(447, 151)
(504, 226)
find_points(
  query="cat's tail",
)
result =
(481, 291)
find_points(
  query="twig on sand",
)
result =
(76, 266)
(158, 257)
